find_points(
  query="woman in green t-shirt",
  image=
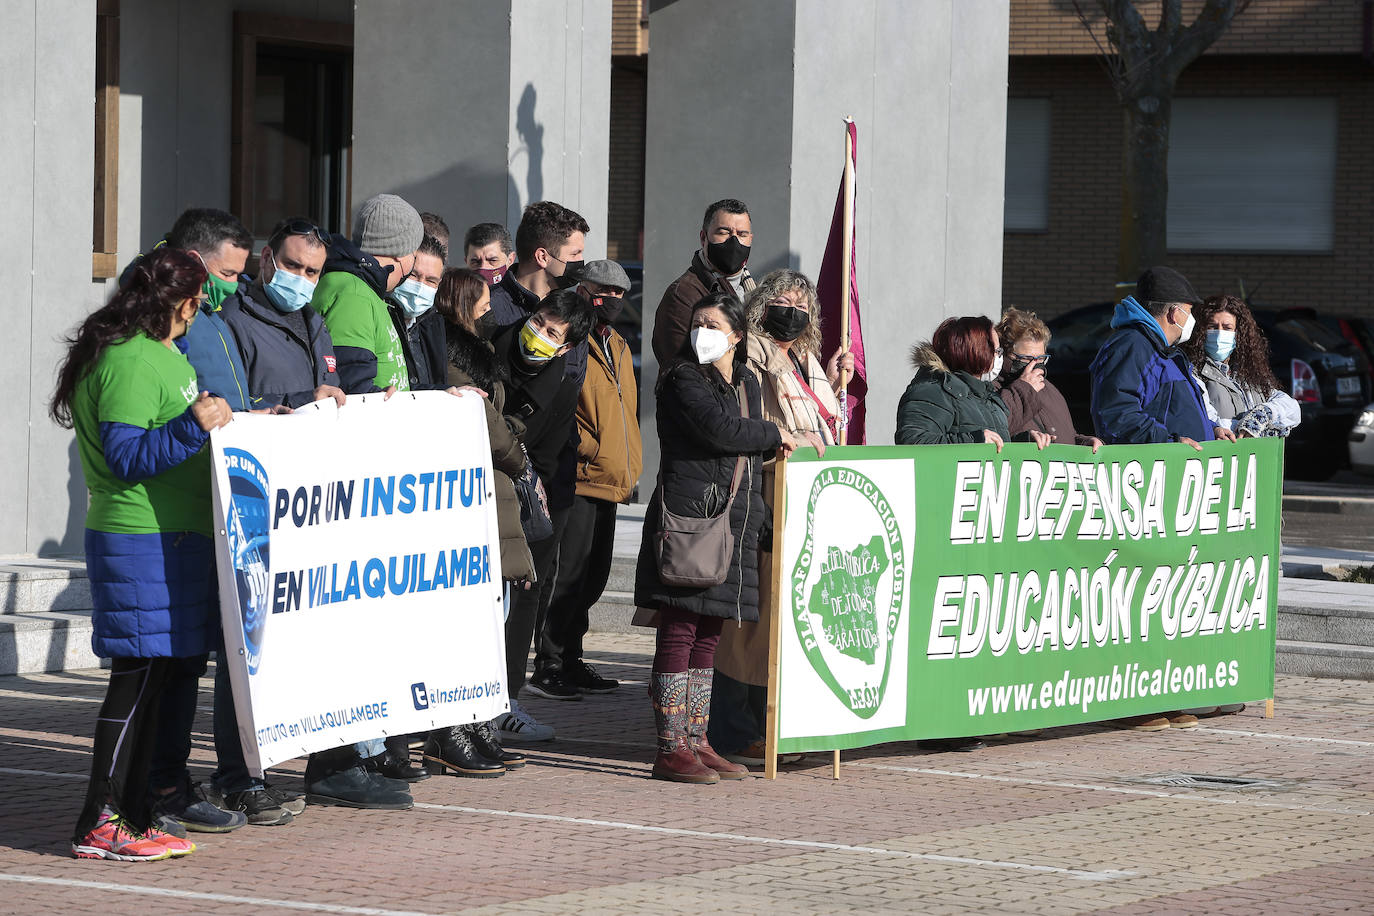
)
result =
(141, 431)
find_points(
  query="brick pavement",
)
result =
(1062, 823)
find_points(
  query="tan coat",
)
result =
(743, 650)
(610, 455)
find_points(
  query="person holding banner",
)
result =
(799, 395)
(712, 437)
(1033, 402)
(1232, 359)
(141, 431)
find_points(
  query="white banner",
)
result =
(359, 571)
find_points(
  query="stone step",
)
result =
(1320, 659)
(1344, 626)
(42, 641)
(29, 585)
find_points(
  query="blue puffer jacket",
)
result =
(1143, 390)
(155, 595)
(210, 346)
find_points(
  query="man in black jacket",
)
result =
(285, 346)
(542, 396)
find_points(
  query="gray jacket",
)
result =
(1228, 400)
(283, 366)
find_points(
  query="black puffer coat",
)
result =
(471, 361)
(700, 434)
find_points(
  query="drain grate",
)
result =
(1207, 781)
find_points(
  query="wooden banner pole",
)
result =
(776, 604)
(1269, 708)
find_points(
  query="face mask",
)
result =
(783, 322)
(607, 308)
(1220, 344)
(485, 324)
(572, 272)
(535, 347)
(709, 344)
(996, 370)
(492, 275)
(414, 298)
(729, 256)
(1187, 328)
(216, 289)
(289, 292)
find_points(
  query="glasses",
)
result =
(305, 227)
(1043, 359)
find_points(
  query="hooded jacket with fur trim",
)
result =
(942, 406)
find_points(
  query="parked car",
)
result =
(1361, 442)
(1326, 374)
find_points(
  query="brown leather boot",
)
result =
(698, 717)
(676, 761)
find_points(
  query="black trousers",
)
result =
(529, 607)
(126, 734)
(176, 718)
(584, 566)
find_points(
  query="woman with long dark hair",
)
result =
(464, 299)
(141, 431)
(707, 449)
(1231, 358)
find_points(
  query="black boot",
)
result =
(337, 777)
(485, 740)
(451, 749)
(395, 763)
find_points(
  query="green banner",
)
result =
(944, 591)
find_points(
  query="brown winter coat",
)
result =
(743, 650)
(674, 313)
(609, 452)
(1045, 410)
(473, 362)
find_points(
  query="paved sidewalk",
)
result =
(1063, 823)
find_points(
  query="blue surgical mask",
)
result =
(1220, 344)
(289, 292)
(414, 298)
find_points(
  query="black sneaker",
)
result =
(189, 807)
(551, 686)
(291, 801)
(355, 787)
(583, 676)
(259, 807)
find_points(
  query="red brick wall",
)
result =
(1074, 262)
(625, 184)
(1040, 27)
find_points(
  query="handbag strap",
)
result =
(739, 460)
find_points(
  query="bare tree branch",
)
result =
(1211, 22)
(1170, 19)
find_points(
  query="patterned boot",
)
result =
(698, 716)
(676, 761)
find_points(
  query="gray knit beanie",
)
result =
(388, 226)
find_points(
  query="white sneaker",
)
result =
(518, 726)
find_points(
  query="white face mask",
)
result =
(996, 370)
(1187, 328)
(709, 344)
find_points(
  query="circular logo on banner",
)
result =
(847, 587)
(247, 532)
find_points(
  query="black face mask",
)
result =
(785, 323)
(1012, 368)
(572, 273)
(486, 324)
(607, 308)
(728, 256)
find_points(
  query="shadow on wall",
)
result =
(531, 134)
(451, 194)
(72, 541)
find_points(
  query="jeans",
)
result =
(737, 714)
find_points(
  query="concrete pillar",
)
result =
(747, 101)
(46, 152)
(475, 108)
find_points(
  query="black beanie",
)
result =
(1164, 284)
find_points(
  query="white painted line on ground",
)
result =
(1120, 790)
(11, 771)
(28, 695)
(1108, 874)
(1245, 734)
(210, 897)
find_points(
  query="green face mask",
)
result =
(217, 290)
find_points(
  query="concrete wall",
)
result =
(495, 105)
(925, 80)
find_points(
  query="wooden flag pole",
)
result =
(846, 265)
(776, 604)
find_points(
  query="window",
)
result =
(105, 234)
(1026, 206)
(1252, 175)
(293, 102)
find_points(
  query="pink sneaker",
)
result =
(175, 845)
(111, 839)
